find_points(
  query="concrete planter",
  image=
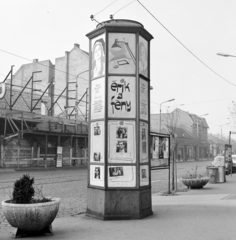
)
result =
(31, 218)
(195, 183)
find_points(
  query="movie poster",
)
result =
(121, 97)
(97, 142)
(121, 140)
(97, 175)
(143, 142)
(143, 99)
(144, 175)
(121, 176)
(122, 54)
(98, 98)
(98, 57)
(143, 56)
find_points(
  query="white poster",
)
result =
(121, 176)
(97, 175)
(97, 142)
(97, 98)
(156, 148)
(121, 97)
(122, 54)
(121, 142)
(144, 142)
(143, 56)
(98, 57)
(144, 175)
(59, 156)
(143, 99)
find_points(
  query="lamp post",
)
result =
(160, 111)
(225, 55)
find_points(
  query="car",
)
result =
(234, 163)
(219, 160)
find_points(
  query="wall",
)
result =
(67, 69)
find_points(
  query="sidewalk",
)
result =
(207, 213)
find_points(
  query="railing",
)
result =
(50, 162)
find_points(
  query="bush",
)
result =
(193, 175)
(23, 191)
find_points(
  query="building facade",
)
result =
(188, 131)
(43, 115)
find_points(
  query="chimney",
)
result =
(76, 45)
(35, 60)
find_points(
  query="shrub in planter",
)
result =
(29, 214)
(195, 180)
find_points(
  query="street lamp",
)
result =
(221, 128)
(225, 55)
(160, 111)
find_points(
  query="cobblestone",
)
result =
(71, 186)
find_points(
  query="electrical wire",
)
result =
(214, 100)
(123, 7)
(69, 74)
(186, 47)
(105, 8)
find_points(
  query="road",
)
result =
(70, 185)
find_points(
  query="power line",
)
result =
(123, 7)
(41, 64)
(186, 47)
(104, 8)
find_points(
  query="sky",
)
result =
(184, 65)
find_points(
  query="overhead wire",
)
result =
(69, 74)
(186, 47)
(105, 8)
(123, 7)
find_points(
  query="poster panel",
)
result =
(98, 57)
(143, 56)
(121, 97)
(97, 175)
(97, 142)
(122, 53)
(143, 99)
(59, 156)
(144, 175)
(121, 141)
(160, 151)
(143, 142)
(121, 176)
(98, 98)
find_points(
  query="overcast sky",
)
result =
(45, 29)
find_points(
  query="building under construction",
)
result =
(44, 112)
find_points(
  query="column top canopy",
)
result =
(121, 24)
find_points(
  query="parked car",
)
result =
(234, 163)
(219, 160)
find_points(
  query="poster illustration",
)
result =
(121, 176)
(143, 99)
(97, 98)
(121, 97)
(122, 54)
(144, 175)
(121, 141)
(97, 142)
(97, 175)
(98, 57)
(143, 142)
(143, 56)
